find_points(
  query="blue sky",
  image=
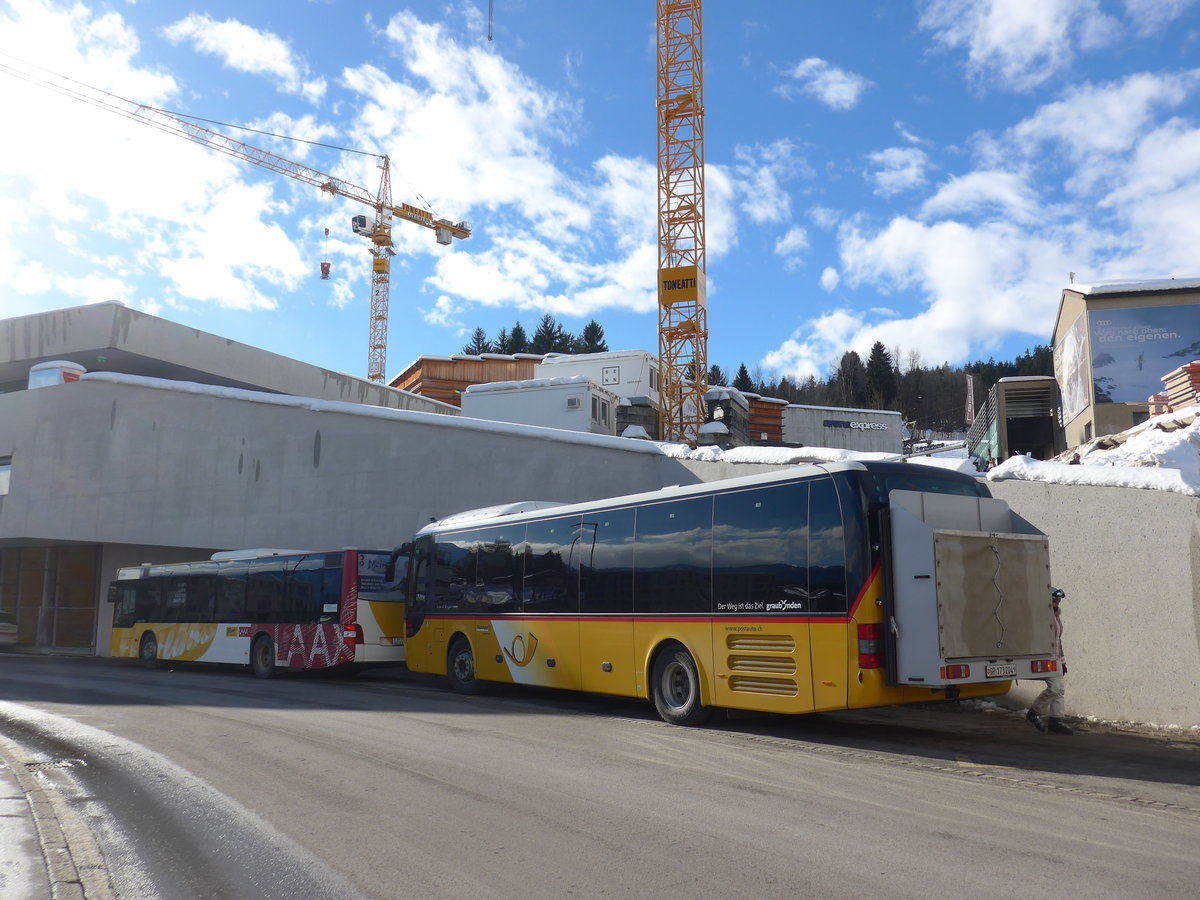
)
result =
(921, 173)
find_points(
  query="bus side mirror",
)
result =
(112, 593)
(389, 572)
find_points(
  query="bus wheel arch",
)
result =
(262, 656)
(460, 665)
(676, 686)
(148, 650)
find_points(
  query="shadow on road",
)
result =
(967, 734)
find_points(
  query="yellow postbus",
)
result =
(268, 609)
(831, 586)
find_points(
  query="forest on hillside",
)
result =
(928, 397)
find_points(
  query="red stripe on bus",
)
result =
(862, 593)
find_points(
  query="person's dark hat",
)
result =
(1057, 594)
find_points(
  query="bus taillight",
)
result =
(352, 634)
(1041, 666)
(952, 672)
(869, 656)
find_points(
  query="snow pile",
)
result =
(776, 456)
(1161, 454)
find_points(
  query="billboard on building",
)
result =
(1133, 348)
(1070, 369)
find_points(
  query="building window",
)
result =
(600, 411)
(5, 474)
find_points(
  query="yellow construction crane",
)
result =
(379, 231)
(682, 301)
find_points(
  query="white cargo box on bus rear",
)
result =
(970, 592)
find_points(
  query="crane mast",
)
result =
(379, 232)
(682, 301)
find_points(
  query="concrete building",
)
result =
(1020, 415)
(176, 444)
(871, 430)
(1113, 343)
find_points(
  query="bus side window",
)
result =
(550, 583)
(331, 592)
(453, 571)
(760, 550)
(202, 599)
(148, 606)
(124, 604)
(673, 555)
(264, 594)
(605, 560)
(418, 592)
(826, 549)
(231, 594)
(498, 568)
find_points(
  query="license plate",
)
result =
(1004, 671)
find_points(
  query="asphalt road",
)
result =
(205, 782)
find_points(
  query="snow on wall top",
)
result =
(1127, 287)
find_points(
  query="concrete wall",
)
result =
(1129, 561)
(155, 465)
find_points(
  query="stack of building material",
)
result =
(1159, 404)
(1183, 386)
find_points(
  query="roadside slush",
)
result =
(45, 848)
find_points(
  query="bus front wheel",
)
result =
(460, 667)
(148, 650)
(675, 685)
(262, 657)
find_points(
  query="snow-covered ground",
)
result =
(1161, 454)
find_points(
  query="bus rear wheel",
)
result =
(148, 651)
(262, 657)
(675, 686)
(460, 667)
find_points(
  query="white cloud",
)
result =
(1007, 193)
(1016, 43)
(760, 173)
(1106, 118)
(121, 205)
(902, 130)
(836, 88)
(898, 169)
(248, 50)
(830, 278)
(791, 245)
(1150, 16)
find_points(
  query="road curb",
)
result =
(73, 862)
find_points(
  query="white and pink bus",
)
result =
(269, 609)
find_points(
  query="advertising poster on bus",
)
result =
(1132, 349)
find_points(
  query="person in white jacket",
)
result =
(1050, 702)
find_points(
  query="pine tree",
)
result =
(850, 382)
(550, 337)
(591, 339)
(881, 377)
(742, 381)
(518, 340)
(478, 343)
(716, 376)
